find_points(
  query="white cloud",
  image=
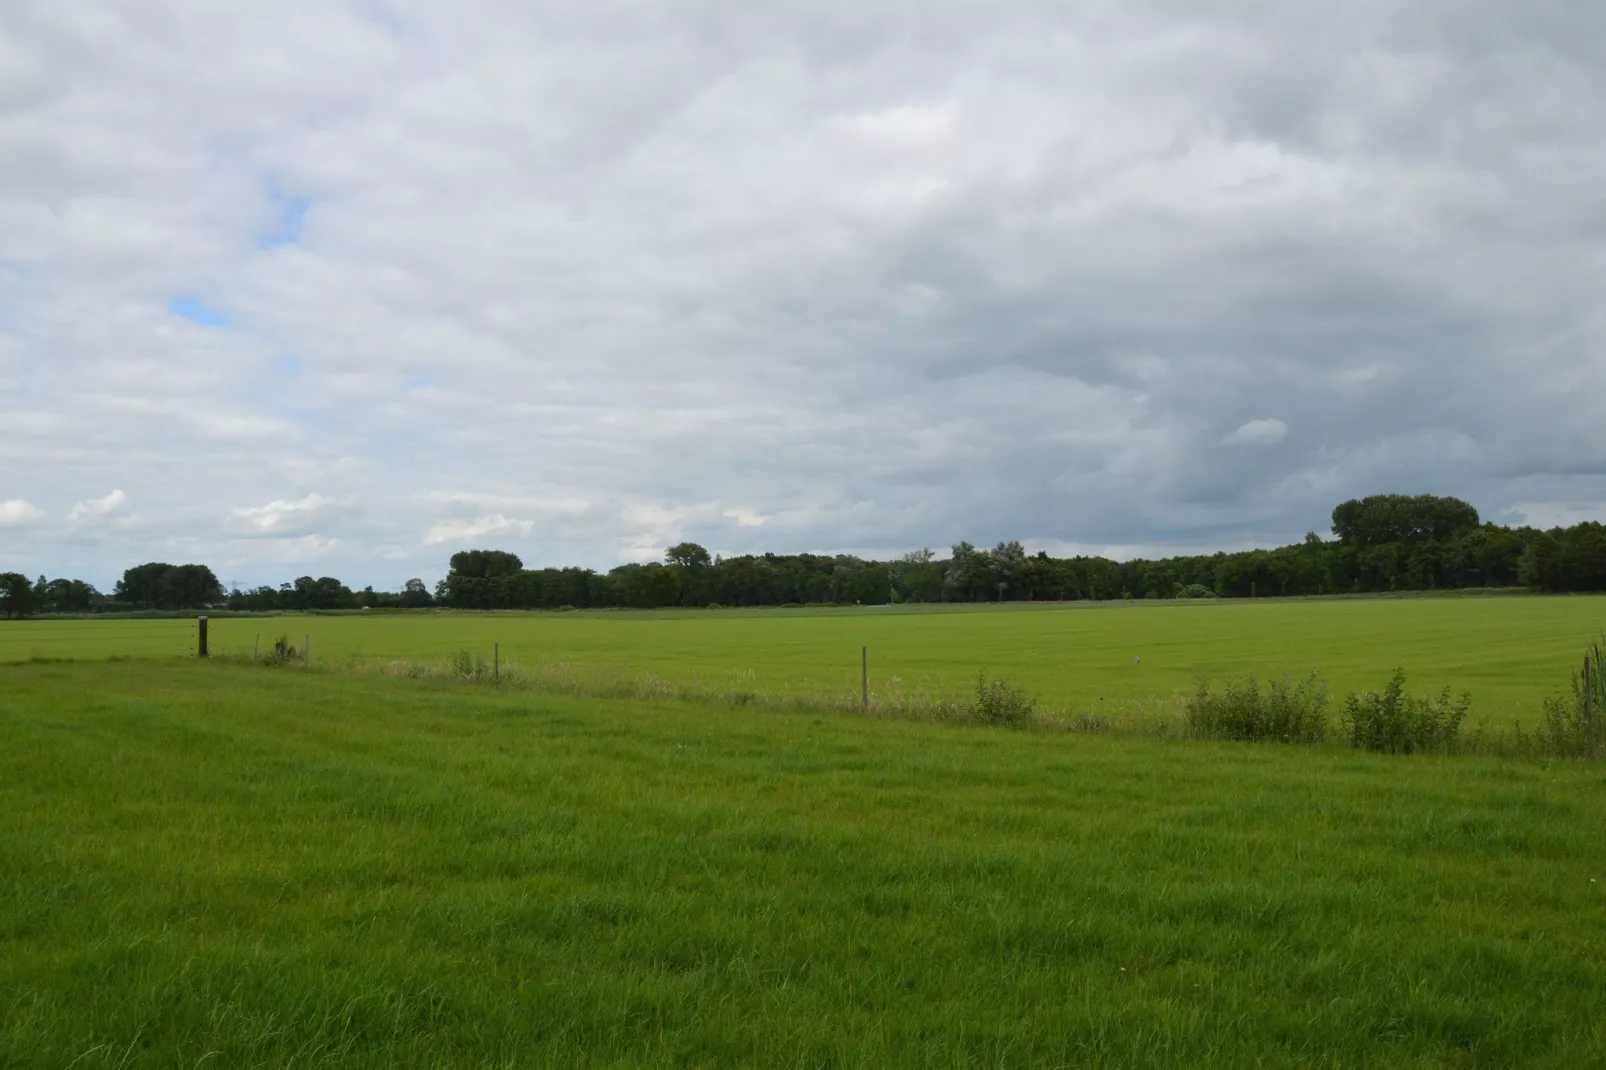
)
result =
(462, 531)
(1546, 515)
(17, 513)
(302, 549)
(96, 508)
(581, 280)
(1257, 433)
(279, 519)
(908, 124)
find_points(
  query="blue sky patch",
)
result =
(286, 230)
(192, 308)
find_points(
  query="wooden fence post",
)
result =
(306, 651)
(200, 637)
(864, 678)
(1589, 689)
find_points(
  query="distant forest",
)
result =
(1381, 543)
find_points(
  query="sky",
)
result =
(340, 288)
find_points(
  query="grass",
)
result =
(1510, 653)
(230, 865)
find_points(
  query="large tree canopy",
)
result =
(485, 564)
(158, 585)
(1386, 518)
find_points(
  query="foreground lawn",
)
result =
(205, 863)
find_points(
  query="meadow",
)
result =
(1508, 652)
(216, 863)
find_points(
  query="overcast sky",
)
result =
(341, 288)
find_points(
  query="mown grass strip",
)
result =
(279, 867)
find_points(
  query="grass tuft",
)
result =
(999, 702)
(1574, 725)
(1285, 712)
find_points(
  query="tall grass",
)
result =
(1286, 711)
(1574, 724)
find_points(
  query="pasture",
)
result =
(1509, 652)
(233, 865)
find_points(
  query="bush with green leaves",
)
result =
(1001, 702)
(467, 665)
(1195, 590)
(1393, 722)
(1285, 712)
(1574, 725)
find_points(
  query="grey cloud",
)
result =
(590, 278)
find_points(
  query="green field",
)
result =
(1508, 652)
(228, 865)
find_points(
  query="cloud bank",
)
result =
(347, 286)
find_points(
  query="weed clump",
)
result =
(1285, 712)
(283, 652)
(1393, 722)
(467, 665)
(999, 702)
(1575, 725)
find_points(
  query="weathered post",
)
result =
(496, 662)
(306, 651)
(200, 637)
(1589, 689)
(864, 678)
(256, 647)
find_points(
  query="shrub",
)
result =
(466, 665)
(283, 651)
(1575, 725)
(1285, 712)
(1195, 590)
(1000, 702)
(1396, 723)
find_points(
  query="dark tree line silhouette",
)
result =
(1381, 543)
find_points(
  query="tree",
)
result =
(687, 555)
(646, 586)
(142, 584)
(192, 587)
(1385, 518)
(158, 585)
(415, 595)
(69, 596)
(16, 595)
(485, 564)
(970, 575)
(1008, 560)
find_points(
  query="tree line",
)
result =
(161, 586)
(1381, 543)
